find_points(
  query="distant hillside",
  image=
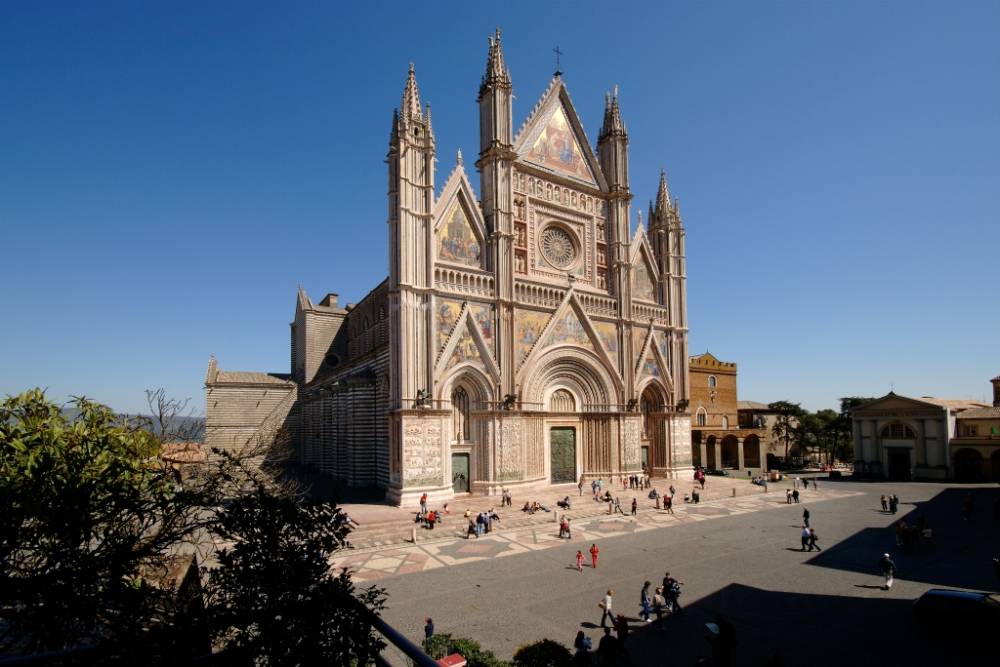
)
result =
(193, 428)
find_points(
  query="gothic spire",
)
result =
(410, 105)
(663, 195)
(496, 74)
(613, 125)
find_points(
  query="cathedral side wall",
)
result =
(236, 414)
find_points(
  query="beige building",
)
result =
(901, 438)
(719, 440)
(524, 335)
(975, 449)
(756, 415)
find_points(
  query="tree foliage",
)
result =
(86, 512)
(92, 520)
(544, 653)
(439, 645)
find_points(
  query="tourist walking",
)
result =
(606, 609)
(812, 540)
(645, 603)
(423, 504)
(668, 504)
(885, 503)
(788, 496)
(594, 551)
(805, 537)
(428, 629)
(888, 570)
(618, 506)
(580, 485)
(805, 517)
(582, 645)
(673, 491)
(893, 503)
(579, 560)
(805, 483)
(672, 592)
(795, 496)
(635, 506)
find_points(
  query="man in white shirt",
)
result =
(805, 537)
(606, 605)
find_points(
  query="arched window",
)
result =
(725, 422)
(460, 414)
(562, 401)
(702, 417)
(712, 382)
(898, 431)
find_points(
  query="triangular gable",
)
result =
(467, 345)
(554, 139)
(654, 364)
(459, 230)
(893, 401)
(569, 325)
(644, 337)
(608, 333)
(643, 273)
(528, 328)
(445, 316)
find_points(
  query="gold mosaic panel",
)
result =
(465, 350)
(569, 330)
(642, 284)
(528, 328)
(457, 242)
(444, 320)
(557, 148)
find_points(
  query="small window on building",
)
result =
(702, 417)
(969, 430)
(712, 382)
(331, 360)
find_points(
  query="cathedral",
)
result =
(523, 337)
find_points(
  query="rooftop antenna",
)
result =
(558, 54)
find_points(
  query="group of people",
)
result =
(792, 496)
(534, 506)
(890, 503)
(662, 600)
(481, 523)
(759, 480)
(919, 536)
(505, 497)
(428, 518)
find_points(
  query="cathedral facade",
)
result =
(524, 337)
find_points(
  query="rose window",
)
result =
(557, 247)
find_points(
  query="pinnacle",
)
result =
(663, 194)
(496, 69)
(613, 125)
(410, 105)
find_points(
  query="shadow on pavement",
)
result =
(801, 629)
(963, 551)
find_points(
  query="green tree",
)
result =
(273, 599)
(92, 518)
(439, 645)
(544, 653)
(785, 421)
(88, 513)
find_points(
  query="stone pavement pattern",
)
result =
(812, 608)
(384, 525)
(591, 524)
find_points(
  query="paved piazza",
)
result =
(738, 556)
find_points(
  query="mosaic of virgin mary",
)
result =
(457, 242)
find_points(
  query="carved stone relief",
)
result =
(422, 464)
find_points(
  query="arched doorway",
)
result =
(730, 452)
(751, 451)
(710, 461)
(654, 440)
(467, 391)
(968, 465)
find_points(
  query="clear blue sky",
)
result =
(170, 171)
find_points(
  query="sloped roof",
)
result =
(981, 413)
(252, 377)
(751, 405)
(956, 404)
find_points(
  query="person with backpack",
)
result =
(888, 569)
(645, 603)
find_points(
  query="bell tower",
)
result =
(411, 199)
(495, 164)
